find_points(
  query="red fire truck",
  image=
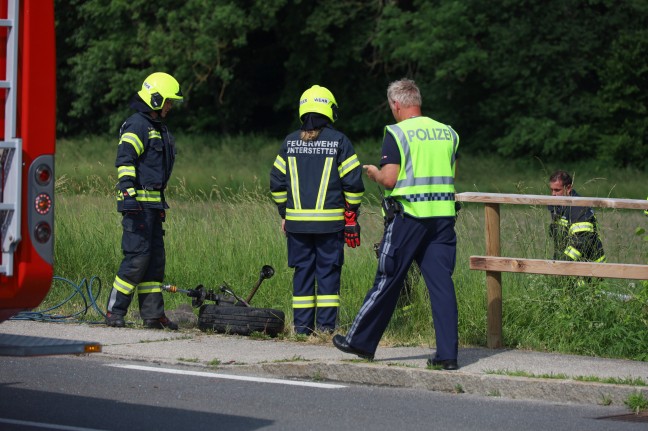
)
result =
(27, 144)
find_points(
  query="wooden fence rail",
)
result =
(494, 264)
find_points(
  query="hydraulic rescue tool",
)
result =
(230, 313)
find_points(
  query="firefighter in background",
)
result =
(145, 157)
(417, 171)
(316, 182)
(574, 229)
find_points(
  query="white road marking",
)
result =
(43, 425)
(229, 376)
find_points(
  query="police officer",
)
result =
(316, 182)
(145, 157)
(417, 172)
(573, 229)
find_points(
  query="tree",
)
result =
(121, 42)
(557, 79)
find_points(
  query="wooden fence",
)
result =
(494, 264)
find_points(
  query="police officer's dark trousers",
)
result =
(315, 256)
(431, 242)
(142, 267)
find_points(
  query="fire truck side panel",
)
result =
(36, 127)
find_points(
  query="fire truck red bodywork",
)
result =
(36, 127)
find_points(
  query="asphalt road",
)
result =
(91, 393)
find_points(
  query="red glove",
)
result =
(351, 229)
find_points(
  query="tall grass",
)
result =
(222, 227)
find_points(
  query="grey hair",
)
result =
(404, 92)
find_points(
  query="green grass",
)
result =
(222, 227)
(630, 381)
(637, 402)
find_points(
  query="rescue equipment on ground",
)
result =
(230, 314)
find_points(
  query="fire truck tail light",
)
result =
(43, 175)
(43, 203)
(43, 232)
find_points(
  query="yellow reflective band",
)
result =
(123, 286)
(353, 198)
(126, 171)
(348, 165)
(149, 287)
(132, 139)
(601, 259)
(154, 134)
(328, 300)
(280, 197)
(280, 164)
(315, 215)
(323, 187)
(572, 253)
(148, 196)
(562, 222)
(294, 182)
(303, 302)
(581, 227)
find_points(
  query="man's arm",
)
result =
(386, 177)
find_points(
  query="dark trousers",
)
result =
(432, 244)
(143, 263)
(315, 256)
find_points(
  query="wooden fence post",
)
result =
(493, 278)
(494, 264)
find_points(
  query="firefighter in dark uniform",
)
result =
(418, 166)
(573, 229)
(145, 157)
(316, 182)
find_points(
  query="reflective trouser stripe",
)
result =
(149, 287)
(303, 302)
(123, 286)
(328, 300)
(145, 287)
(601, 259)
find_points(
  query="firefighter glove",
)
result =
(351, 229)
(130, 203)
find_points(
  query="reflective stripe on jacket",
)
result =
(575, 233)
(310, 181)
(145, 157)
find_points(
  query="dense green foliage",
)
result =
(557, 79)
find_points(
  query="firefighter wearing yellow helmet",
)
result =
(318, 100)
(145, 158)
(316, 182)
